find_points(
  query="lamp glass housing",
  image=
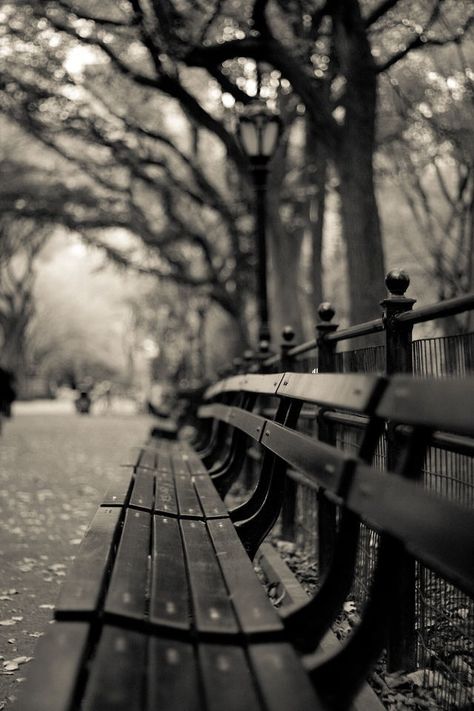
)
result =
(259, 133)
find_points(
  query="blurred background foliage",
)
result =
(126, 225)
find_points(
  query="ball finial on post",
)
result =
(264, 346)
(397, 282)
(326, 311)
(286, 345)
(287, 334)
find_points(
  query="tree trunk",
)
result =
(354, 162)
(362, 234)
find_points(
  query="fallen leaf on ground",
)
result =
(10, 666)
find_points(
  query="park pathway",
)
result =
(54, 467)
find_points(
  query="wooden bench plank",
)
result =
(169, 603)
(163, 460)
(254, 612)
(441, 404)
(127, 591)
(143, 490)
(147, 459)
(212, 607)
(355, 392)
(52, 679)
(194, 461)
(82, 590)
(261, 384)
(179, 466)
(247, 422)
(216, 411)
(187, 498)
(116, 680)
(281, 678)
(165, 493)
(172, 677)
(232, 384)
(119, 491)
(211, 503)
(227, 679)
(321, 462)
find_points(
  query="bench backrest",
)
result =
(426, 405)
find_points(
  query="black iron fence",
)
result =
(435, 627)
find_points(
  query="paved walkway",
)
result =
(54, 467)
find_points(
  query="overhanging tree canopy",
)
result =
(329, 53)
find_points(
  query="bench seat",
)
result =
(135, 670)
(164, 610)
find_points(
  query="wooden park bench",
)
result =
(163, 609)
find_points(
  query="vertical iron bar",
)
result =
(288, 511)
(327, 512)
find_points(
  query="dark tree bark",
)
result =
(354, 161)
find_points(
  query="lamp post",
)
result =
(258, 132)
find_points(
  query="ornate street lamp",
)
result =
(258, 132)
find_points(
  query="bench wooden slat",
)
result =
(172, 676)
(188, 502)
(212, 607)
(437, 531)
(165, 493)
(250, 601)
(147, 459)
(213, 390)
(127, 590)
(211, 503)
(119, 490)
(232, 384)
(163, 461)
(116, 680)
(321, 462)
(143, 489)
(81, 591)
(247, 422)
(358, 393)
(282, 680)
(227, 678)
(441, 404)
(194, 461)
(51, 681)
(216, 411)
(261, 384)
(178, 464)
(169, 603)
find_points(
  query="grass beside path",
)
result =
(54, 467)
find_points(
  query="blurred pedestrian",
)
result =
(7, 394)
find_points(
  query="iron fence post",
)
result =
(398, 353)
(327, 512)
(401, 649)
(288, 512)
